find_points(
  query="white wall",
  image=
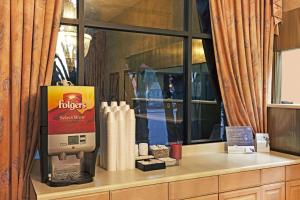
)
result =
(290, 90)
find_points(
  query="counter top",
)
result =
(191, 166)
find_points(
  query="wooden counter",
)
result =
(218, 165)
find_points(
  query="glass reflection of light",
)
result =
(70, 10)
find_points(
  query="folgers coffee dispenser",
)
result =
(69, 138)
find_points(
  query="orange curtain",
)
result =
(28, 33)
(243, 34)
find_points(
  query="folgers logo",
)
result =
(72, 101)
(71, 109)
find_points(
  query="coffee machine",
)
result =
(69, 134)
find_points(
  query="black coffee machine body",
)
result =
(69, 134)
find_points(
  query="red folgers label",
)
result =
(71, 109)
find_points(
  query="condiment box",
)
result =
(150, 164)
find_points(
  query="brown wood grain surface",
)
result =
(273, 192)
(149, 192)
(235, 181)
(193, 187)
(272, 175)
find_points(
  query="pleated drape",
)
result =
(243, 34)
(28, 34)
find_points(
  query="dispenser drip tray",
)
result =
(67, 171)
(70, 178)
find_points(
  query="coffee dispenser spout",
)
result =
(80, 155)
(62, 156)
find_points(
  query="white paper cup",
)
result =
(143, 149)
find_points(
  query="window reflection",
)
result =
(65, 63)
(206, 112)
(148, 72)
(201, 16)
(70, 9)
(164, 14)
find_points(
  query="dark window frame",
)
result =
(187, 34)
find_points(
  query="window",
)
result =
(157, 56)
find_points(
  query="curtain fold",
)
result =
(28, 33)
(277, 14)
(243, 34)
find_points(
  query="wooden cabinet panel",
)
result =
(158, 191)
(97, 196)
(239, 180)
(246, 194)
(272, 175)
(209, 197)
(273, 192)
(193, 187)
(293, 190)
(292, 172)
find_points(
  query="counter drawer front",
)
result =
(193, 187)
(209, 197)
(97, 196)
(158, 191)
(292, 172)
(246, 194)
(241, 180)
(272, 175)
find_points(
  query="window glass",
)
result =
(163, 14)
(206, 113)
(290, 83)
(201, 16)
(70, 9)
(147, 72)
(65, 63)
